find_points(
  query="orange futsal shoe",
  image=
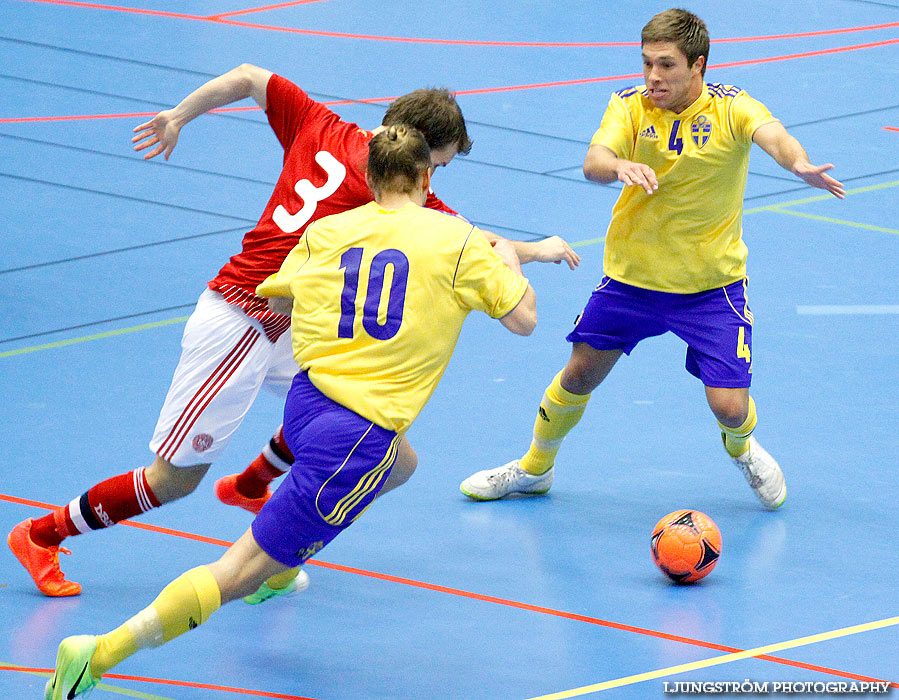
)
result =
(226, 491)
(41, 562)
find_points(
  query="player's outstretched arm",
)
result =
(774, 139)
(553, 249)
(161, 132)
(603, 166)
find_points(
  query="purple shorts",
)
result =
(342, 462)
(715, 324)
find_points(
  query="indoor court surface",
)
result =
(431, 596)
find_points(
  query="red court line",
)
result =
(492, 599)
(262, 9)
(507, 88)
(891, 128)
(166, 681)
(456, 42)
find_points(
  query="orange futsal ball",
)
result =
(686, 545)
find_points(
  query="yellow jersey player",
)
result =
(674, 255)
(378, 296)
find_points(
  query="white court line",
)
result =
(848, 310)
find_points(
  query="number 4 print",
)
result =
(675, 142)
(742, 347)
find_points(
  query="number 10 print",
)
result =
(351, 262)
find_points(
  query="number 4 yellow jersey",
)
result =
(687, 236)
(379, 300)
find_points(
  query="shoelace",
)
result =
(503, 477)
(57, 574)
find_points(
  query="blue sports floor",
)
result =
(430, 596)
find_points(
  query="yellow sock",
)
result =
(736, 440)
(560, 411)
(112, 648)
(282, 580)
(185, 603)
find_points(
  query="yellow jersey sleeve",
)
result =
(616, 130)
(748, 114)
(483, 282)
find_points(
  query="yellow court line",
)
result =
(822, 197)
(101, 686)
(724, 659)
(842, 222)
(96, 336)
(589, 241)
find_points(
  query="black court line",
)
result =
(98, 323)
(806, 188)
(126, 249)
(498, 227)
(126, 197)
(93, 54)
(878, 4)
(844, 116)
(87, 91)
(133, 159)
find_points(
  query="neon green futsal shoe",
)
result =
(297, 585)
(72, 676)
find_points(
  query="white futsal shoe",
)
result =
(490, 484)
(763, 474)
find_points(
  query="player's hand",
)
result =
(638, 174)
(816, 176)
(161, 131)
(281, 305)
(555, 250)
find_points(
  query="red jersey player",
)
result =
(233, 344)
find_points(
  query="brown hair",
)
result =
(681, 28)
(435, 113)
(397, 157)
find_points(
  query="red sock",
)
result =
(274, 460)
(102, 506)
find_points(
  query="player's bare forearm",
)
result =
(602, 165)
(239, 83)
(507, 253)
(552, 249)
(161, 133)
(786, 150)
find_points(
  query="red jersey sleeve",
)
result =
(288, 108)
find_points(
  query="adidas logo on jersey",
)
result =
(649, 133)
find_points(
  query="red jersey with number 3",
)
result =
(323, 174)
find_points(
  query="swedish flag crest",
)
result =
(701, 130)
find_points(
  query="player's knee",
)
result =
(169, 483)
(732, 412)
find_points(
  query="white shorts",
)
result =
(225, 360)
